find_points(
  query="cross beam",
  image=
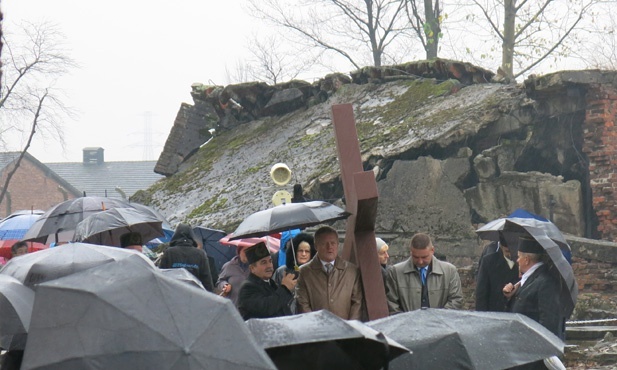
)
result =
(360, 189)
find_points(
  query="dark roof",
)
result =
(103, 179)
(7, 158)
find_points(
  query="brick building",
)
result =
(32, 186)
(36, 185)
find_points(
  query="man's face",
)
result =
(327, 247)
(506, 251)
(303, 253)
(523, 261)
(21, 251)
(422, 257)
(383, 255)
(263, 268)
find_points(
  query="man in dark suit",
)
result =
(260, 296)
(537, 294)
(496, 270)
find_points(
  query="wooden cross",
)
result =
(361, 196)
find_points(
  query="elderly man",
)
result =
(260, 296)
(329, 282)
(537, 294)
(422, 280)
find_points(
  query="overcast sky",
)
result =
(138, 59)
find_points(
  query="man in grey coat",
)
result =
(422, 280)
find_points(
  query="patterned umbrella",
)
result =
(14, 226)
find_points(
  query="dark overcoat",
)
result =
(494, 274)
(260, 299)
(539, 299)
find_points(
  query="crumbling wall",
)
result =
(601, 148)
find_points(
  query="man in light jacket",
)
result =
(328, 281)
(422, 280)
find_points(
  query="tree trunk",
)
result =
(432, 28)
(507, 51)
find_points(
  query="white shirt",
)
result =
(530, 271)
(324, 263)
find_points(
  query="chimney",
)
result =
(93, 156)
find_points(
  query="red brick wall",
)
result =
(601, 148)
(30, 188)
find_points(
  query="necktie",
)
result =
(423, 274)
(328, 268)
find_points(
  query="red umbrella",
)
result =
(273, 243)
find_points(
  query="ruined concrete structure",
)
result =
(450, 149)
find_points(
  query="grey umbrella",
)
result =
(53, 263)
(106, 227)
(287, 217)
(452, 339)
(182, 274)
(322, 340)
(121, 316)
(16, 302)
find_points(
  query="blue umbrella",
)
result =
(14, 226)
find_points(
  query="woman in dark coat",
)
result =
(304, 246)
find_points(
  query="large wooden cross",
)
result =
(361, 196)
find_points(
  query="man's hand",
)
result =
(226, 290)
(289, 281)
(510, 289)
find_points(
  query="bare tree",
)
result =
(531, 31)
(274, 62)
(425, 20)
(598, 48)
(351, 29)
(33, 59)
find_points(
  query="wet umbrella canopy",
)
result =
(287, 217)
(106, 227)
(182, 274)
(451, 339)
(16, 302)
(121, 316)
(490, 231)
(322, 340)
(15, 226)
(53, 263)
(66, 215)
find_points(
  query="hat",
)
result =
(527, 245)
(130, 239)
(256, 252)
(380, 243)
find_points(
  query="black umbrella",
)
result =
(106, 227)
(452, 339)
(120, 316)
(287, 217)
(569, 288)
(65, 216)
(16, 302)
(210, 240)
(322, 340)
(53, 263)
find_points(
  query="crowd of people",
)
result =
(315, 277)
